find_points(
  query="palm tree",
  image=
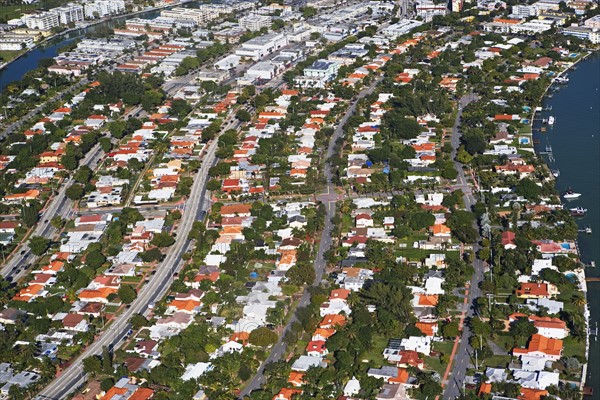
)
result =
(579, 300)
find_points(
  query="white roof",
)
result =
(193, 371)
(352, 387)
(305, 362)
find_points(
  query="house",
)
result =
(536, 379)
(75, 322)
(390, 374)
(304, 363)
(96, 295)
(533, 290)
(363, 220)
(550, 327)
(332, 320)
(440, 230)
(508, 240)
(496, 374)
(10, 316)
(286, 394)
(22, 379)
(541, 346)
(316, 348)
(233, 210)
(352, 387)
(31, 194)
(428, 328)
(419, 344)
(296, 379)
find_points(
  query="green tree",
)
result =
(95, 259)
(38, 245)
(243, 116)
(75, 192)
(138, 321)
(83, 175)
(92, 365)
(127, 294)
(162, 239)
(262, 337)
(30, 214)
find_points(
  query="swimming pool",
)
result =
(524, 140)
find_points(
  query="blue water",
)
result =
(575, 141)
(18, 68)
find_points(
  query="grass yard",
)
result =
(8, 55)
(496, 361)
(8, 12)
(573, 347)
(505, 341)
(374, 355)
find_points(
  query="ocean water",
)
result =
(575, 142)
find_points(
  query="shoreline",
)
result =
(580, 273)
(88, 25)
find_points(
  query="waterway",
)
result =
(18, 68)
(575, 142)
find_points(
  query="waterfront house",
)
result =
(541, 346)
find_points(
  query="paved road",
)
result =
(73, 377)
(464, 356)
(15, 268)
(18, 124)
(278, 350)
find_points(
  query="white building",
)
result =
(400, 28)
(69, 13)
(428, 9)
(260, 46)
(43, 21)
(254, 22)
(102, 8)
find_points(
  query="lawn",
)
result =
(496, 361)
(8, 12)
(374, 355)
(573, 347)
(505, 341)
(7, 55)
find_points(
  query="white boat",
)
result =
(556, 173)
(550, 120)
(569, 194)
(578, 211)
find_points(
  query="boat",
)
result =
(578, 211)
(556, 173)
(588, 230)
(550, 120)
(569, 194)
(562, 79)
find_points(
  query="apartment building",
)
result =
(255, 22)
(44, 21)
(102, 8)
(69, 13)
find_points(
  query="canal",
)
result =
(18, 68)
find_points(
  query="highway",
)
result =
(157, 287)
(464, 355)
(278, 350)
